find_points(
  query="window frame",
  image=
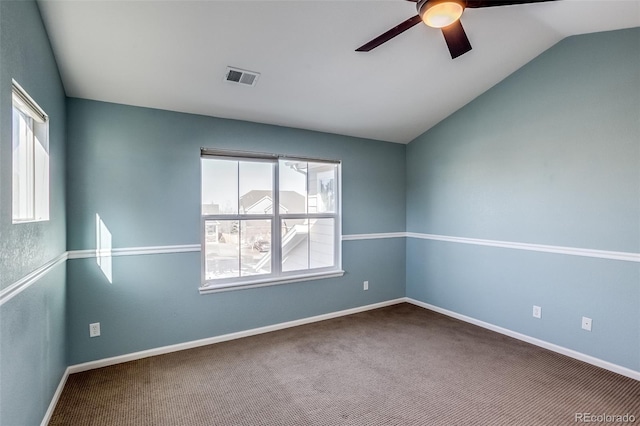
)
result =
(277, 275)
(37, 188)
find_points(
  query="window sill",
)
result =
(19, 221)
(269, 282)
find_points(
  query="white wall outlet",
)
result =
(586, 323)
(537, 311)
(94, 329)
(365, 285)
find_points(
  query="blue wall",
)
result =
(551, 155)
(32, 324)
(139, 169)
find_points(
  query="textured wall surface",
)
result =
(32, 324)
(139, 169)
(27, 58)
(551, 156)
(32, 349)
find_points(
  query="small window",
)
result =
(30, 152)
(268, 219)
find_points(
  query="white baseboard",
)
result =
(56, 397)
(246, 333)
(225, 337)
(541, 343)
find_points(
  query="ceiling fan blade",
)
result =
(456, 39)
(491, 3)
(397, 30)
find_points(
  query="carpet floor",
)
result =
(399, 365)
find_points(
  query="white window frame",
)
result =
(30, 158)
(277, 276)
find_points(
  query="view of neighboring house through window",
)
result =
(268, 218)
(30, 153)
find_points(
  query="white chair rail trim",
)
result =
(14, 289)
(573, 251)
(23, 283)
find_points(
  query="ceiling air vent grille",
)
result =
(244, 77)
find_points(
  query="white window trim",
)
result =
(271, 281)
(239, 283)
(27, 106)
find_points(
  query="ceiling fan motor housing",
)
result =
(449, 7)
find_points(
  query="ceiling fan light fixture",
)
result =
(440, 13)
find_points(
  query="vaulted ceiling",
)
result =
(173, 55)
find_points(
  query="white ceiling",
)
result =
(173, 55)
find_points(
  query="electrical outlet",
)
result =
(94, 329)
(537, 311)
(365, 285)
(586, 323)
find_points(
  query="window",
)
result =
(268, 219)
(30, 151)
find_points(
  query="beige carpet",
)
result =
(400, 365)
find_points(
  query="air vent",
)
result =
(237, 75)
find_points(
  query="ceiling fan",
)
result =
(443, 14)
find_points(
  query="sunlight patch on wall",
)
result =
(103, 248)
